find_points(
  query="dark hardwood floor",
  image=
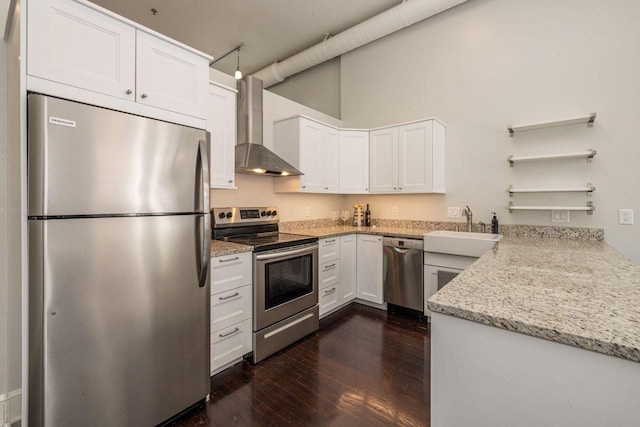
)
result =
(364, 367)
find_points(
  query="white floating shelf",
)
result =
(589, 208)
(589, 154)
(588, 119)
(587, 189)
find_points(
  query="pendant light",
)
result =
(238, 73)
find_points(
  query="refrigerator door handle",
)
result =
(206, 251)
(206, 233)
(203, 153)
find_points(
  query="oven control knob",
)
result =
(221, 215)
(263, 213)
(268, 213)
(274, 213)
(229, 214)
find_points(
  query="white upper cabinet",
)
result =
(81, 47)
(221, 122)
(354, 161)
(170, 77)
(313, 148)
(85, 53)
(408, 158)
(384, 160)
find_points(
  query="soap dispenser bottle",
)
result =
(494, 224)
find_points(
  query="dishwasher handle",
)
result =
(402, 245)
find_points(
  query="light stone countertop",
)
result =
(332, 231)
(221, 248)
(576, 292)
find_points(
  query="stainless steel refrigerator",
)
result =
(119, 247)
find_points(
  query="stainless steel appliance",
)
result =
(118, 266)
(285, 276)
(402, 272)
(440, 269)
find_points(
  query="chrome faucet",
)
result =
(467, 212)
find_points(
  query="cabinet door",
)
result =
(331, 160)
(311, 156)
(221, 122)
(369, 268)
(348, 245)
(415, 152)
(354, 162)
(383, 154)
(76, 45)
(171, 77)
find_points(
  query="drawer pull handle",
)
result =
(236, 330)
(330, 291)
(328, 266)
(330, 241)
(229, 297)
(230, 259)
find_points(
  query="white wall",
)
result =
(488, 64)
(258, 190)
(10, 225)
(318, 87)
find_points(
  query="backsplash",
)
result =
(507, 230)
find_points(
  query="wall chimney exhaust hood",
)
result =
(251, 156)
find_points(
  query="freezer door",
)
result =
(86, 160)
(120, 321)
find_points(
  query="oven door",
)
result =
(286, 283)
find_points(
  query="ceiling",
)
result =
(271, 30)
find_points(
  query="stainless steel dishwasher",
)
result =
(402, 272)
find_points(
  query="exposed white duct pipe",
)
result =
(405, 14)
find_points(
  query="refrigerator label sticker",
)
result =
(62, 122)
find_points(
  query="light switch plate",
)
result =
(625, 216)
(394, 210)
(307, 211)
(453, 212)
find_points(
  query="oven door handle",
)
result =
(305, 250)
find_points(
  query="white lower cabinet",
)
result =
(228, 345)
(348, 248)
(369, 268)
(231, 309)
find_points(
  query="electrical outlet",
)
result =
(559, 216)
(394, 210)
(453, 212)
(625, 216)
(307, 211)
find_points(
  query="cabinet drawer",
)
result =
(329, 274)
(328, 298)
(328, 249)
(230, 307)
(231, 271)
(230, 344)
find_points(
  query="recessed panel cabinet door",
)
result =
(81, 47)
(221, 122)
(354, 161)
(415, 155)
(170, 77)
(331, 160)
(384, 160)
(311, 156)
(369, 268)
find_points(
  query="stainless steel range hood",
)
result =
(251, 156)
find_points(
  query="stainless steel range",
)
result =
(285, 276)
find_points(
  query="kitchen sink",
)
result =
(459, 242)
